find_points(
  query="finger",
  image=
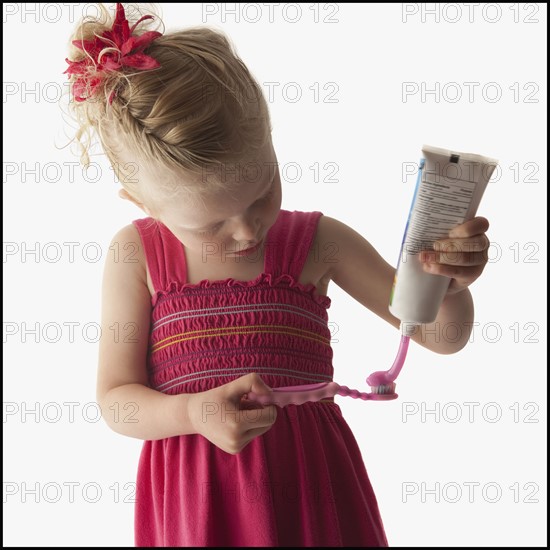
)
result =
(464, 275)
(258, 418)
(472, 227)
(455, 258)
(249, 404)
(478, 243)
(248, 383)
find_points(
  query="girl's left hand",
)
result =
(462, 256)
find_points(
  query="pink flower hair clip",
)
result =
(111, 51)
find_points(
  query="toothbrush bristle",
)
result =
(384, 389)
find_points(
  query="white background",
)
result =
(416, 464)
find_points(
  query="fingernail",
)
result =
(428, 257)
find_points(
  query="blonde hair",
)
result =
(199, 110)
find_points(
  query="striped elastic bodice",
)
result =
(207, 334)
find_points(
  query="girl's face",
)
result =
(229, 222)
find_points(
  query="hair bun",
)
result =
(99, 55)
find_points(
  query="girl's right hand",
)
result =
(226, 419)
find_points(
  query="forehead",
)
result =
(231, 189)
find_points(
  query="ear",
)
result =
(123, 194)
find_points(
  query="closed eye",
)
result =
(210, 231)
(216, 227)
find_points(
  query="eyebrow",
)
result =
(212, 224)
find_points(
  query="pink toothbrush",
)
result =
(382, 385)
(296, 395)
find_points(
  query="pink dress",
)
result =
(303, 482)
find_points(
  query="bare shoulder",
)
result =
(324, 252)
(334, 239)
(126, 249)
(355, 266)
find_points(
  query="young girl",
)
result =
(221, 293)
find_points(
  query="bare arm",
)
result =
(128, 405)
(361, 272)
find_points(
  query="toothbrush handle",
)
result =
(296, 395)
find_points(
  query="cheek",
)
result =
(214, 244)
(196, 242)
(200, 242)
(274, 207)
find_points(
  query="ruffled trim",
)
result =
(286, 280)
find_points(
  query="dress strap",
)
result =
(289, 243)
(163, 252)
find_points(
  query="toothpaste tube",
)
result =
(448, 191)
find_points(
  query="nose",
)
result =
(247, 229)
